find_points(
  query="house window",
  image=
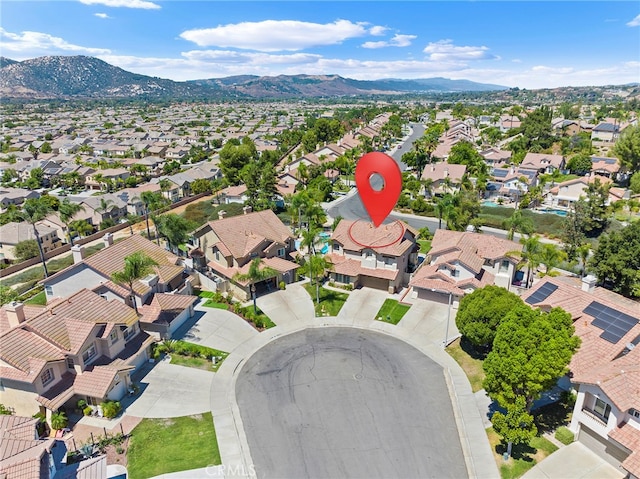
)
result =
(504, 266)
(635, 413)
(342, 278)
(602, 409)
(113, 336)
(336, 246)
(455, 273)
(48, 290)
(281, 252)
(70, 363)
(47, 376)
(130, 332)
(89, 354)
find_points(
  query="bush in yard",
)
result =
(111, 409)
(58, 420)
(87, 411)
(564, 435)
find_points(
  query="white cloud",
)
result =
(377, 30)
(445, 50)
(123, 3)
(635, 22)
(397, 41)
(30, 44)
(275, 35)
(101, 15)
(551, 70)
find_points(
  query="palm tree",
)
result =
(153, 201)
(106, 206)
(35, 210)
(66, 211)
(82, 227)
(551, 256)
(137, 265)
(583, 252)
(530, 254)
(316, 265)
(443, 206)
(518, 223)
(257, 272)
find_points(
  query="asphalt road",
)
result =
(342, 402)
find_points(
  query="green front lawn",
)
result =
(392, 311)
(259, 320)
(331, 302)
(205, 364)
(161, 446)
(523, 456)
(39, 299)
(212, 304)
(469, 361)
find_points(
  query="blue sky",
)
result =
(514, 43)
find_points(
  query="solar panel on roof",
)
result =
(614, 324)
(541, 293)
(500, 173)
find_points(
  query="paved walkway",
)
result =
(289, 305)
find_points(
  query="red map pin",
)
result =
(379, 203)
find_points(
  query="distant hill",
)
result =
(89, 77)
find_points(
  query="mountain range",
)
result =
(83, 77)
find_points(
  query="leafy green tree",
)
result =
(58, 420)
(573, 229)
(46, 147)
(531, 351)
(580, 163)
(7, 294)
(634, 183)
(627, 148)
(481, 312)
(201, 185)
(616, 260)
(175, 229)
(234, 155)
(596, 216)
(136, 266)
(257, 272)
(26, 249)
(517, 426)
(551, 256)
(34, 210)
(464, 153)
(66, 211)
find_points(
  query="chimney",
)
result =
(78, 253)
(15, 313)
(222, 214)
(433, 167)
(446, 172)
(589, 283)
(108, 240)
(246, 210)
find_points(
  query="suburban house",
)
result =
(460, 262)
(79, 347)
(98, 178)
(496, 157)
(16, 196)
(445, 177)
(232, 194)
(13, 233)
(230, 244)
(565, 194)
(27, 456)
(95, 272)
(605, 370)
(608, 167)
(512, 182)
(543, 162)
(383, 260)
(608, 132)
(565, 127)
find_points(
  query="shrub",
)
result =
(58, 420)
(111, 409)
(81, 404)
(4, 410)
(282, 285)
(87, 411)
(564, 435)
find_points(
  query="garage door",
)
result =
(433, 296)
(371, 282)
(602, 447)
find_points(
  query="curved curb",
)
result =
(232, 439)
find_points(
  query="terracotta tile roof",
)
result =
(279, 264)
(243, 233)
(19, 345)
(20, 451)
(542, 160)
(629, 437)
(382, 235)
(611, 366)
(485, 246)
(166, 307)
(351, 267)
(442, 170)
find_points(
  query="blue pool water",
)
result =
(490, 203)
(553, 211)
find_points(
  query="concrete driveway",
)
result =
(362, 305)
(288, 305)
(216, 328)
(574, 461)
(165, 389)
(429, 318)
